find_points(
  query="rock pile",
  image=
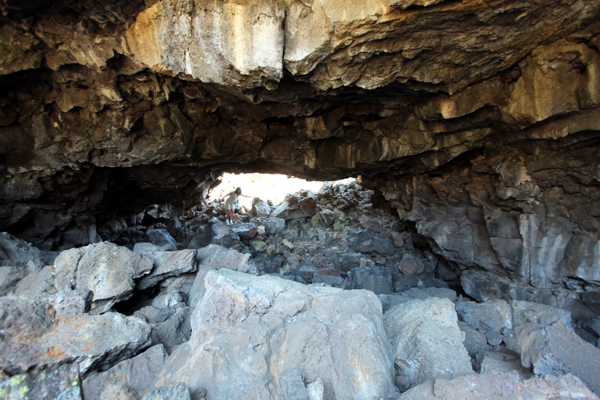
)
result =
(322, 296)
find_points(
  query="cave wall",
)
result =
(478, 120)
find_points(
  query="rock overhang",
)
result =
(468, 103)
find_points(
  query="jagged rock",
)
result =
(260, 208)
(161, 237)
(72, 303)
(556, 349)
(593, 326)
(168, 300)
(524, 312)
(220, 257)
(105, 269)
(426, 340)
(176, 392)
(391, 300)
(497, 385)
(366, 241)
(138, 373)
(245, 231)
(504, 362)
(33, 339)
(198, 288)
(39, 283)
(62, 382)
(493, 315)
(167, 264)
(118, 391)
(18, 259)
(377, 279)
(409, 264)
(475, 343)
(278, 326)
(173, 331)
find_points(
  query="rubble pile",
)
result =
(322, 296)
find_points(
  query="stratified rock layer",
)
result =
(478, 120)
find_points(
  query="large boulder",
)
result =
(62, 383)
(104, 268)
(427, 341)
(556, 349)
(167, 264)
(138, 373)
(18, 259)
(251, 334)
(32, 338)
(525, 312)
(500, 386)
(377, 279)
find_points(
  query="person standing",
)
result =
(231, 203)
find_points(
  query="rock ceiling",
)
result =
(478, 120)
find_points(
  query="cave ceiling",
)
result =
(153, 100)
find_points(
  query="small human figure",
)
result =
(231, 203)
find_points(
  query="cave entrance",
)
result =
(268, 187)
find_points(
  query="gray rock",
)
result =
(170, 299)
(154, 315)
(104, 268)
(138, 373)
(500, 386)
(178, 391)
(197, 290)
(32, 339)
(245, 231)
(474, 341)
(424, 293)
(118, 391)
(484, 286)
(377, 279)
(274, 225)
(494, 338)
(219, 257)
(557, 350)
(492, 315)
(365, 241)
(15, 252)
(72, 303)
(271, 326)
(174, 331)
(9, 276)
(40, 284)
(350, 261)
(504, 361)
(260, 208)
(145, 247)
(62, 382)
(167, 264)
(426, 340)
(593, 326)
(409, 264)
(524, 312)
(161, 237)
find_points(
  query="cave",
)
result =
(475, 124)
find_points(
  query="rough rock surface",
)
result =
(137, 373)
(426, 341)
(62, 382)
(33, 339)
(478, 121)
(496, 385)
(250, 333)
(557, 350)
(104, 268)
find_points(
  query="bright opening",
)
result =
(267, 187)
